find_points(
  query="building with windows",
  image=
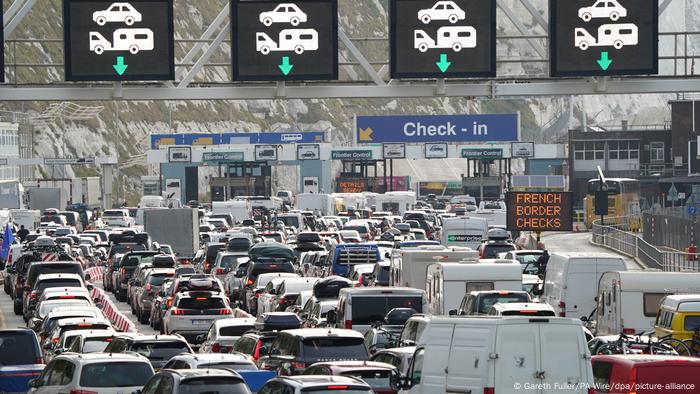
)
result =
(637, 153)
(9, 149)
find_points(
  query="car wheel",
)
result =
(267, 21)
(423, 47)
(265, 50)
(129, 20)
(614, 16)
(133, 49)
(143, 318)
(456, 47)
(294, 21)
(6, 285)
(583, 45)
(453, 19)
(101, 21)
(298, 49)
(99, 50)
(17, 309)
(586, 17)
(618, 44)
(425, 19)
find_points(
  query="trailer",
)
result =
(178, 228)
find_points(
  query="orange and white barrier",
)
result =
(119, 321)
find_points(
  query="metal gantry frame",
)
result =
(376, 85)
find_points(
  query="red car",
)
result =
(646, 374)
(376, 374)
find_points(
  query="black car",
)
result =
(294, 350)
(261, 266)
(127, 265)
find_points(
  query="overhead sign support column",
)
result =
(2, 47)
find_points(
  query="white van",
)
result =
(324, 203)
(359, 308)
(239, 209)
(117, 218)
(26, 217)
(447, 283)
(500, 355)
(628, 301)
(571, 281)
(408, 266)
(464, 231)
(396, 202)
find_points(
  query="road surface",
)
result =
(580, 242)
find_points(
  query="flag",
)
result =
(7, 238)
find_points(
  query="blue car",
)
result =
(343, 256)
(20, 360)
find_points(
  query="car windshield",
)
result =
(332, 349)
(115, 374)
(289, 221)
(45, 284)
(95, 344)
(384, 274)
(488, 300)
(201, 303)
(46, 306)
(18, 348)
(235, 331)
(213, 385)
(158, 279)
(367, 310)
(234, 366)
(259, 268)
(135, 260)
(492, 250)
(229, 261)
(160, 350)
(527, 258)
(378, 379)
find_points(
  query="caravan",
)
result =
(296, 40)
(395, 202)
(617, 36)
(239, 209)
(132, 40)
(408, 265)
(454, 37)
(446, 283)
(628, 301)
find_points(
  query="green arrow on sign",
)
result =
(604, 61)
(443, 64)
(285, 66)
(120, 67)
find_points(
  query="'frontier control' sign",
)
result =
(440, 128)
(539, 211)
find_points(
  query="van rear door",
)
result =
(580, 287)
(518, 350)
(468, 365)
(562, 350)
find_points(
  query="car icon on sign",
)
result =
(308, 154)
(284, 13)
(442, 11)
(603, 9)
(117, 12)
(436, 148)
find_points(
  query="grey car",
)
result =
(171, 381)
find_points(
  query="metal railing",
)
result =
(615, 234)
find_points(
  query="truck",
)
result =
(87, 191)
(178, 228)
(47, 197)
(325, 203)
(239, 209)
(464, 231)
(26, 217)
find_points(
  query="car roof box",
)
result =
(277, 321)
(330, 287)
(163, 261)
(129, 237)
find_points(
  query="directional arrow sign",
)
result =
(443, 64)
(604, 61)
(285, 66)
(120, 67)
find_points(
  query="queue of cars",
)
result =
(361, 302)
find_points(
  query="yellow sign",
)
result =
(203, 141)
(366, 135)
(165, 141)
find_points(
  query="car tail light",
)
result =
(249, 282)
(169, 302)
(629, 331)
(34, 296)
(201, 298)
(220, 271)
(282, 301)
(226, 311)
(298, 365)
(122, 272)
(55, 341)
(148, 287)
(215, 347)
(256, 352)
(178, 312)
(257, 295)
(68, 297)
(348, 324)
(337, 387)
(562, 309)
(489, 390)
(39, 360)
(591, 390)
(83, 392)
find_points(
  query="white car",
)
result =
(114, 373)
(442, 11)
(603, 9)
(117, 12)
(283, 13)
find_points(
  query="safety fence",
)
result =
(615, 234)
(119, 321)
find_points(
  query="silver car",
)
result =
(193, 312)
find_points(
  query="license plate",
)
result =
(200, 322)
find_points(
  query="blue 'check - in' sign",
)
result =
(440, 128)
